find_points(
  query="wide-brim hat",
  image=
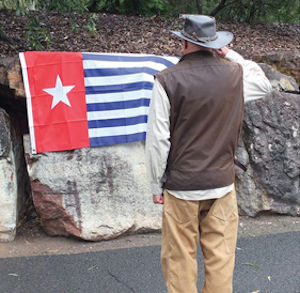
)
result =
(201, 30)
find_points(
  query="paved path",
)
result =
(264, 264)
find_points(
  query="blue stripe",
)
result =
(128, 87)
(116, 58)
(118, 105)
(109, 140)
(118, 71)
(117, 122)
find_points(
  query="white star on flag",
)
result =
(59, 93)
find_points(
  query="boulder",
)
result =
(14, 182)
(286, 62)
(270, 149)
(102, 193)
(11, 75)
(93, 193)
(279, 81)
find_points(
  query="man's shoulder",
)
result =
(169, 70)
(231, 64)
(188, 65)
(165, 73)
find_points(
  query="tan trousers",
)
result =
(213, 222)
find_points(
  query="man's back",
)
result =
(206, 98)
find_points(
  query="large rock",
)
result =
(94, 193)
(279, 81)
(270, 148)
(265, 187)
(11, 75)
(102, 193)
(14, 187)
(286, 62)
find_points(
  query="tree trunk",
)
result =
(199, 4)
(222, 4)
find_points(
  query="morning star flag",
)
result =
(78, 100)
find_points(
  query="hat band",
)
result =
(195, 38)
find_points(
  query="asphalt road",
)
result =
(264, 264)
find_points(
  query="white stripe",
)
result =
(94, 64)
(118, 97)
(28, 101)
(119, 130)
(117, 80)
(174, 60)
(115, 114)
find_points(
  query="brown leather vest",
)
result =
(207, 105)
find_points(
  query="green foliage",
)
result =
(75, 29)
(251, 11)
(7, 4)
(182, 7)
(178, 25)
(91, 26)
(105, 5)
(21, 6)
(37, 35)
(141, 7)
(65, 5)
(286, 11)
(134, 7)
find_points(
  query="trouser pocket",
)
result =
(180, 210)
(225, 210)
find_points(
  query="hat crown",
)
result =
(201, 25)
(201, 30)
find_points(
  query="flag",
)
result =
(78, 100)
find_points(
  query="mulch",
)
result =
(131, 34)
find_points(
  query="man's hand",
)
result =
(222, 52)
(158, 198)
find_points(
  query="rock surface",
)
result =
(279, 81)
(101, 193)
(287, 62)
(14, 187)
(10, 74)
(270, 148)
(94, 193)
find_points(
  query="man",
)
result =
(194, 121)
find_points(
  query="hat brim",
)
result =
(224, 38)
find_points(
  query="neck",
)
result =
(190, 48)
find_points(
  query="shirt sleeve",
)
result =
(158, 137)
(256, 84)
